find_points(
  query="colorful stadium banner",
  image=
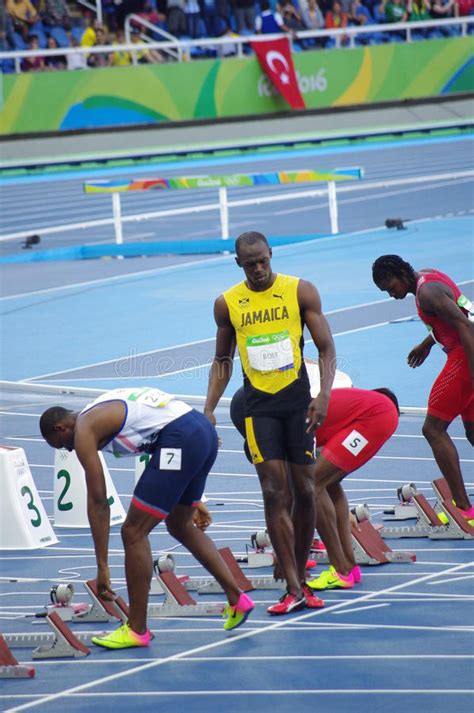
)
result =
(277, 63)
(208, 89)
(231, 181)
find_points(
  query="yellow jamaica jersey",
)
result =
(269, 332)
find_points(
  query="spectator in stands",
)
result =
(120, 58)
(396, 11)
(268, 22)
(419, 11)
(313, 19)
(75, 60)
(245, 14)
(33, 64)
(56, 12)
(7, 39)
(209, 14)
(442, 9)
(359, 14)
(176, 17)
(465, 8)
(99, 59)
(229, 50)
(89, 35)
(23, 15)
(192, 18)
(224, 11)
(337, 19)
(147, 55)
(312, 16)
(378, 11)
(54, 61)
(291, 17)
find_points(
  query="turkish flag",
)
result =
(276, 61)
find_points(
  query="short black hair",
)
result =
(50, 418)
(250, 238)
(387, 392)
(387, 266)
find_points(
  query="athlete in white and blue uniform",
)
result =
(183, 447)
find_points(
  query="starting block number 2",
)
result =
(66, 506)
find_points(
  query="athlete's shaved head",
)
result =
(50, 418)
(248, 239)
(387, 266)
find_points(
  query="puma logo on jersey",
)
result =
(280, 297)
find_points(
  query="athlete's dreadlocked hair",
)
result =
(50, 418)
(250, 238)
(387, 266)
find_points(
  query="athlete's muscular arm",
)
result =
(434, 299)
(419, 353)
(92, 428)
(310, 307)
(221, 368)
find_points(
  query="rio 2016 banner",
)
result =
(120, 96)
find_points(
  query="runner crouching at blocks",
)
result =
(357, 424)
(183, 447)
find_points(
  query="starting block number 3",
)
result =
(24, 523)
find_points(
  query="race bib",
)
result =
(355, 442)
(170, 459)
(150, 397)
(270, 352)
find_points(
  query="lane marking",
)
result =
(240, 637)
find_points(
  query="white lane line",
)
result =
(121, 358)
(253, 692)
(358, 609)
(240, 637)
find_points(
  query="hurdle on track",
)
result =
(223, 182)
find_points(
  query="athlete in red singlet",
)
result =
(357, 424)
(448, 314)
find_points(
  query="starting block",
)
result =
(9, 666)
(178, 602)
(456, 522)
(208, 585)
(405, 510)
(64, 645)
(446, 523)
(369, 547)
(102, 609)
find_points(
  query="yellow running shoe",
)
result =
(122, 638)
(330, 579)
(237, 614)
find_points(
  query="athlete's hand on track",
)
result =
(104, 587)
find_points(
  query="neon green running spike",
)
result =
(330, 579)
(236, 615)
(122, 638)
